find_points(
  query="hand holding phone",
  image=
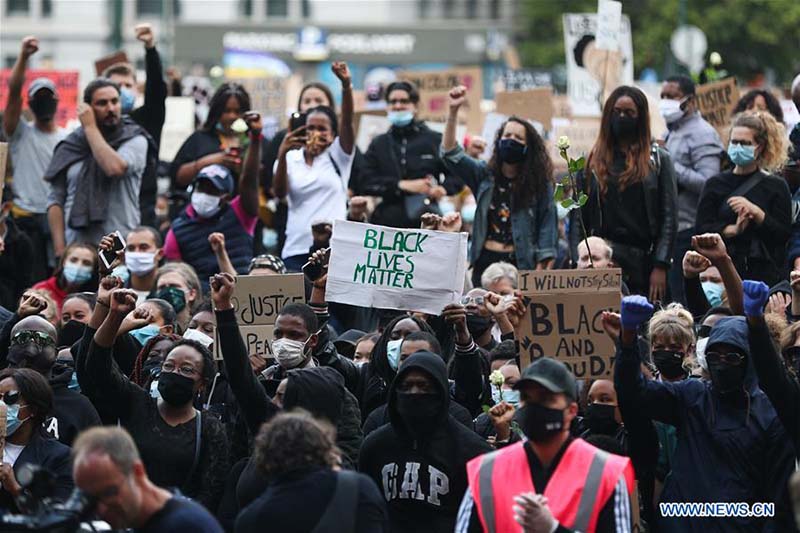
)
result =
(109, 249)
(317, 265)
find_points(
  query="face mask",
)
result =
(199, 336)
(670, 110)
(205, 205)
(478, 325)
(741, 155)
(508, 395)
(726, 379)
(140, 263)
(145, 334)
(13, 422)
(511, 151)
(539, 423)
(122, 273)
(700, 353)
(419, 411)
(175, 389)
(126, 99)
(600, 419)
(174, 296)
(669, 363)
(713, 292)
(468, 213)
(289, 353)
(623, 127)
(29, 355)
(400, 118)
(44, 108)
(393, 353)
(76, 274)
(70, 333)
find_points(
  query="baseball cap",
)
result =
(218, 175)
(551, 374)
(41, 83)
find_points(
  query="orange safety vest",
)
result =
(582, 483)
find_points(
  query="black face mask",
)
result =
(44, 107)
(478, 325)
(623, 127)
(30, 355)
(511, 151)
(669, 364)
(727, 379)
(175, 389)
(539, 423)
(70, 333)
(599, 419)
(420, 412)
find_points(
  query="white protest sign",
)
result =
(370, 126)
(178, 125)
(609, 20)
(390, 268)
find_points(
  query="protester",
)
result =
(142, 255)
(695, 150)
(364, 347)
(31, 145)
(631, 195)
(178, 284)
(76, 272)
(601, 256)
(346, 342)
(108, 468)
(312, 170)
(516, 218)
(266, 265)
(96, 171)
(760, 100)
(16, 249)
(75, 314)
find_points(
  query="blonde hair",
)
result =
(769, 133)
(673, 322)
(789, 335)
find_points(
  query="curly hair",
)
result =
(294, 441)
(216, 107)
(768, 133)
(745, 103)
(535, 171)
(136, 374)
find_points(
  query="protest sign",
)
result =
(433, 90)
(369, 124)
(535, 104)
(111, 59)
(257, 300)
(257, 341)
(716, 102)
(591, 72)
(3, 160)
(609, 20)
(178, 125)
(390, 268)
(563, 318)
(267, 95)
(523, 79)
(582, 135)
(66, 82)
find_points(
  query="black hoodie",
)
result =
(422, 479)
(72, 411)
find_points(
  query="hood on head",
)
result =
(319, 390)
(733, 330)
(431, 364)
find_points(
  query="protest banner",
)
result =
(523, 79)
(111, 59)
(716, 102)
(434, 87)
(178, 125)
(66, 82)
(563, 318)
(390, 268)
(257, 341)
(535, 104)
(257, 300)
(267, 95)
(582, 133)
(609, 21)
(369, 124)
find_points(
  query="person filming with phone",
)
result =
(313, 170)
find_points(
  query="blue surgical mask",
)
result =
(741, 155)
(77, 274)
(400, 118)
(122, 273)
(13, 422)
(393, 353)
(145, 334)
(468, 213)
(510, 396)
(126, 99)
(713, 292)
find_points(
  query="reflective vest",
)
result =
(581, 485)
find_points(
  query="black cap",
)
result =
(551, 374)
(346, 342)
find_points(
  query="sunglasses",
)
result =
(10, 397)
(41, 339)
(731, 358)
(477, 299)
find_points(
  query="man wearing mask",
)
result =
(151, 114)
(533, 483)
(32, 145)
(695, 149)
(96, 172)
(403, 166)
(418, 459)
(296, 336)
(141, 257)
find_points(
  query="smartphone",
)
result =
(314, 271)
(297, 120)
(109, 256)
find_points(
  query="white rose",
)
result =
(563, 143)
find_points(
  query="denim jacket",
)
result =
(534, 229)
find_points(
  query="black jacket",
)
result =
(72, 411)
(13, 279)
(437, 462)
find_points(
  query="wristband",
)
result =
(256, 137)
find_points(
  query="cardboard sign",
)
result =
(178, 125)
(111, 59)
(434, 88)
(267, 95)
(3, 160)
(535, 104)
(257, 300)
(390, 268)
(257, 341)
(716, 102)
(582, 135)
(609, 20)
(66, 86)
(563, 318)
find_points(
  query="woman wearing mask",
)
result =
(147, 366)
(495, 424)
(313, 170)
(178, 284)
(180, 446)
(515, 221)
(760, 100)
(749, 206)
(632, 195)
(75, 313)
(602, 416)
(76, 272)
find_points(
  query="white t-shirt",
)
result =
(316, 193)
(11, 453)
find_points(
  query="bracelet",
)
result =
(218, 310)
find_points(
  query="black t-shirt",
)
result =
(181, 515)
(499, 218)
(624, 210)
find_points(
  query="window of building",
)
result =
(424, 8)
(448, 8)
(18, 7)
(246, 7)
(472, 9)
(494, 9)
(47, 8)
(305, 6)
(277, 8)
(148, 7)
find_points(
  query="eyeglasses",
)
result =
(41, 339)
(477, 299)
(10, 397)
(731, 358)
(400, 101)
(185, 370)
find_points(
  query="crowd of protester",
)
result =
(124, 373)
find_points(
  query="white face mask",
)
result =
(289, 353)
(205, 205)
(140, 263)
(199, 336)
(670, 110)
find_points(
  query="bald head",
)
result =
(600, 253)
(35, 323)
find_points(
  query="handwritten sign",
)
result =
(524, 79)
(609, 20)
(267, 95)
(563, 318)
(389, 268)
(433, 90)
(66, 86)
(257, 300)
(257, 341)
(716, 102)
(535, 104)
